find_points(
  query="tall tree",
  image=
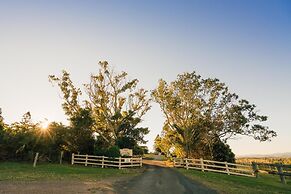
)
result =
(116, 105)
(200, 111)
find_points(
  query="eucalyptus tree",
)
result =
(201, 111)
(115, 104)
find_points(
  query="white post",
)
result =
(202, 164)
(61, 158)
(102, 161)
(73, 157)
(187, 164)
(119, 164)
(86, 161)
(281, 173)
(227, 169)
(141, 162)
(35, 159)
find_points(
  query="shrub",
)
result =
(222, 152)
(113, 152)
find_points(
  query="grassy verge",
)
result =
(15, 171)
(237, 184)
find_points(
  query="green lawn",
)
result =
(16, 171)
(238, 184)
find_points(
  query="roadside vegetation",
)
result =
(20, 171)
(237, 184)
(107, 119)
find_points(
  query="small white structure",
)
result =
(126, 152)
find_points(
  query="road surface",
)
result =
(160, 180)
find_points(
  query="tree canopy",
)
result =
(201, 111)
(201, 115)
(114, 105)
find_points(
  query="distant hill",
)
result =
(274, 155)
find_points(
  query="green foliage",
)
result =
(70, 93)
(222, 152)
(107, 120)
(81, 138)
(113, 109)
(145, 150)
(113, 152)
(126, 142)
(157, 144)
(3, 145)
(20, 139)
(198, 111)
(117, 105)
(1, 121)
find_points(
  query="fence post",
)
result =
(35, 159)
(280, 172)
(102, 162)
(119, 164)
(227, 169)
(73, 157)
(187, 165)
(140, 161)
(175, 162)
(202, 164)
(255, 169)
(86, 161)
(61, 157)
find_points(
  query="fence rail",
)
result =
(282, 170)
(104, 161)
(215, 166)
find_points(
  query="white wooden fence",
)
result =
(104, 161)
(283, 170)
(215, 166)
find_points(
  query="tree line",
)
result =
(201, 115)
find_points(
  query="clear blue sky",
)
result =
(246, 44)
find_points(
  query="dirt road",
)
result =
(156, 179)
(160, 180)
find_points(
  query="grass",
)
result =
(16, 171)
(237, 184)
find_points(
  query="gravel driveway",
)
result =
(156, 179)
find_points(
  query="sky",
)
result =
(246, 44)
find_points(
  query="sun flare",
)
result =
(44, 128)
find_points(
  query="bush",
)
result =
(222, 152)
(113, 152)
